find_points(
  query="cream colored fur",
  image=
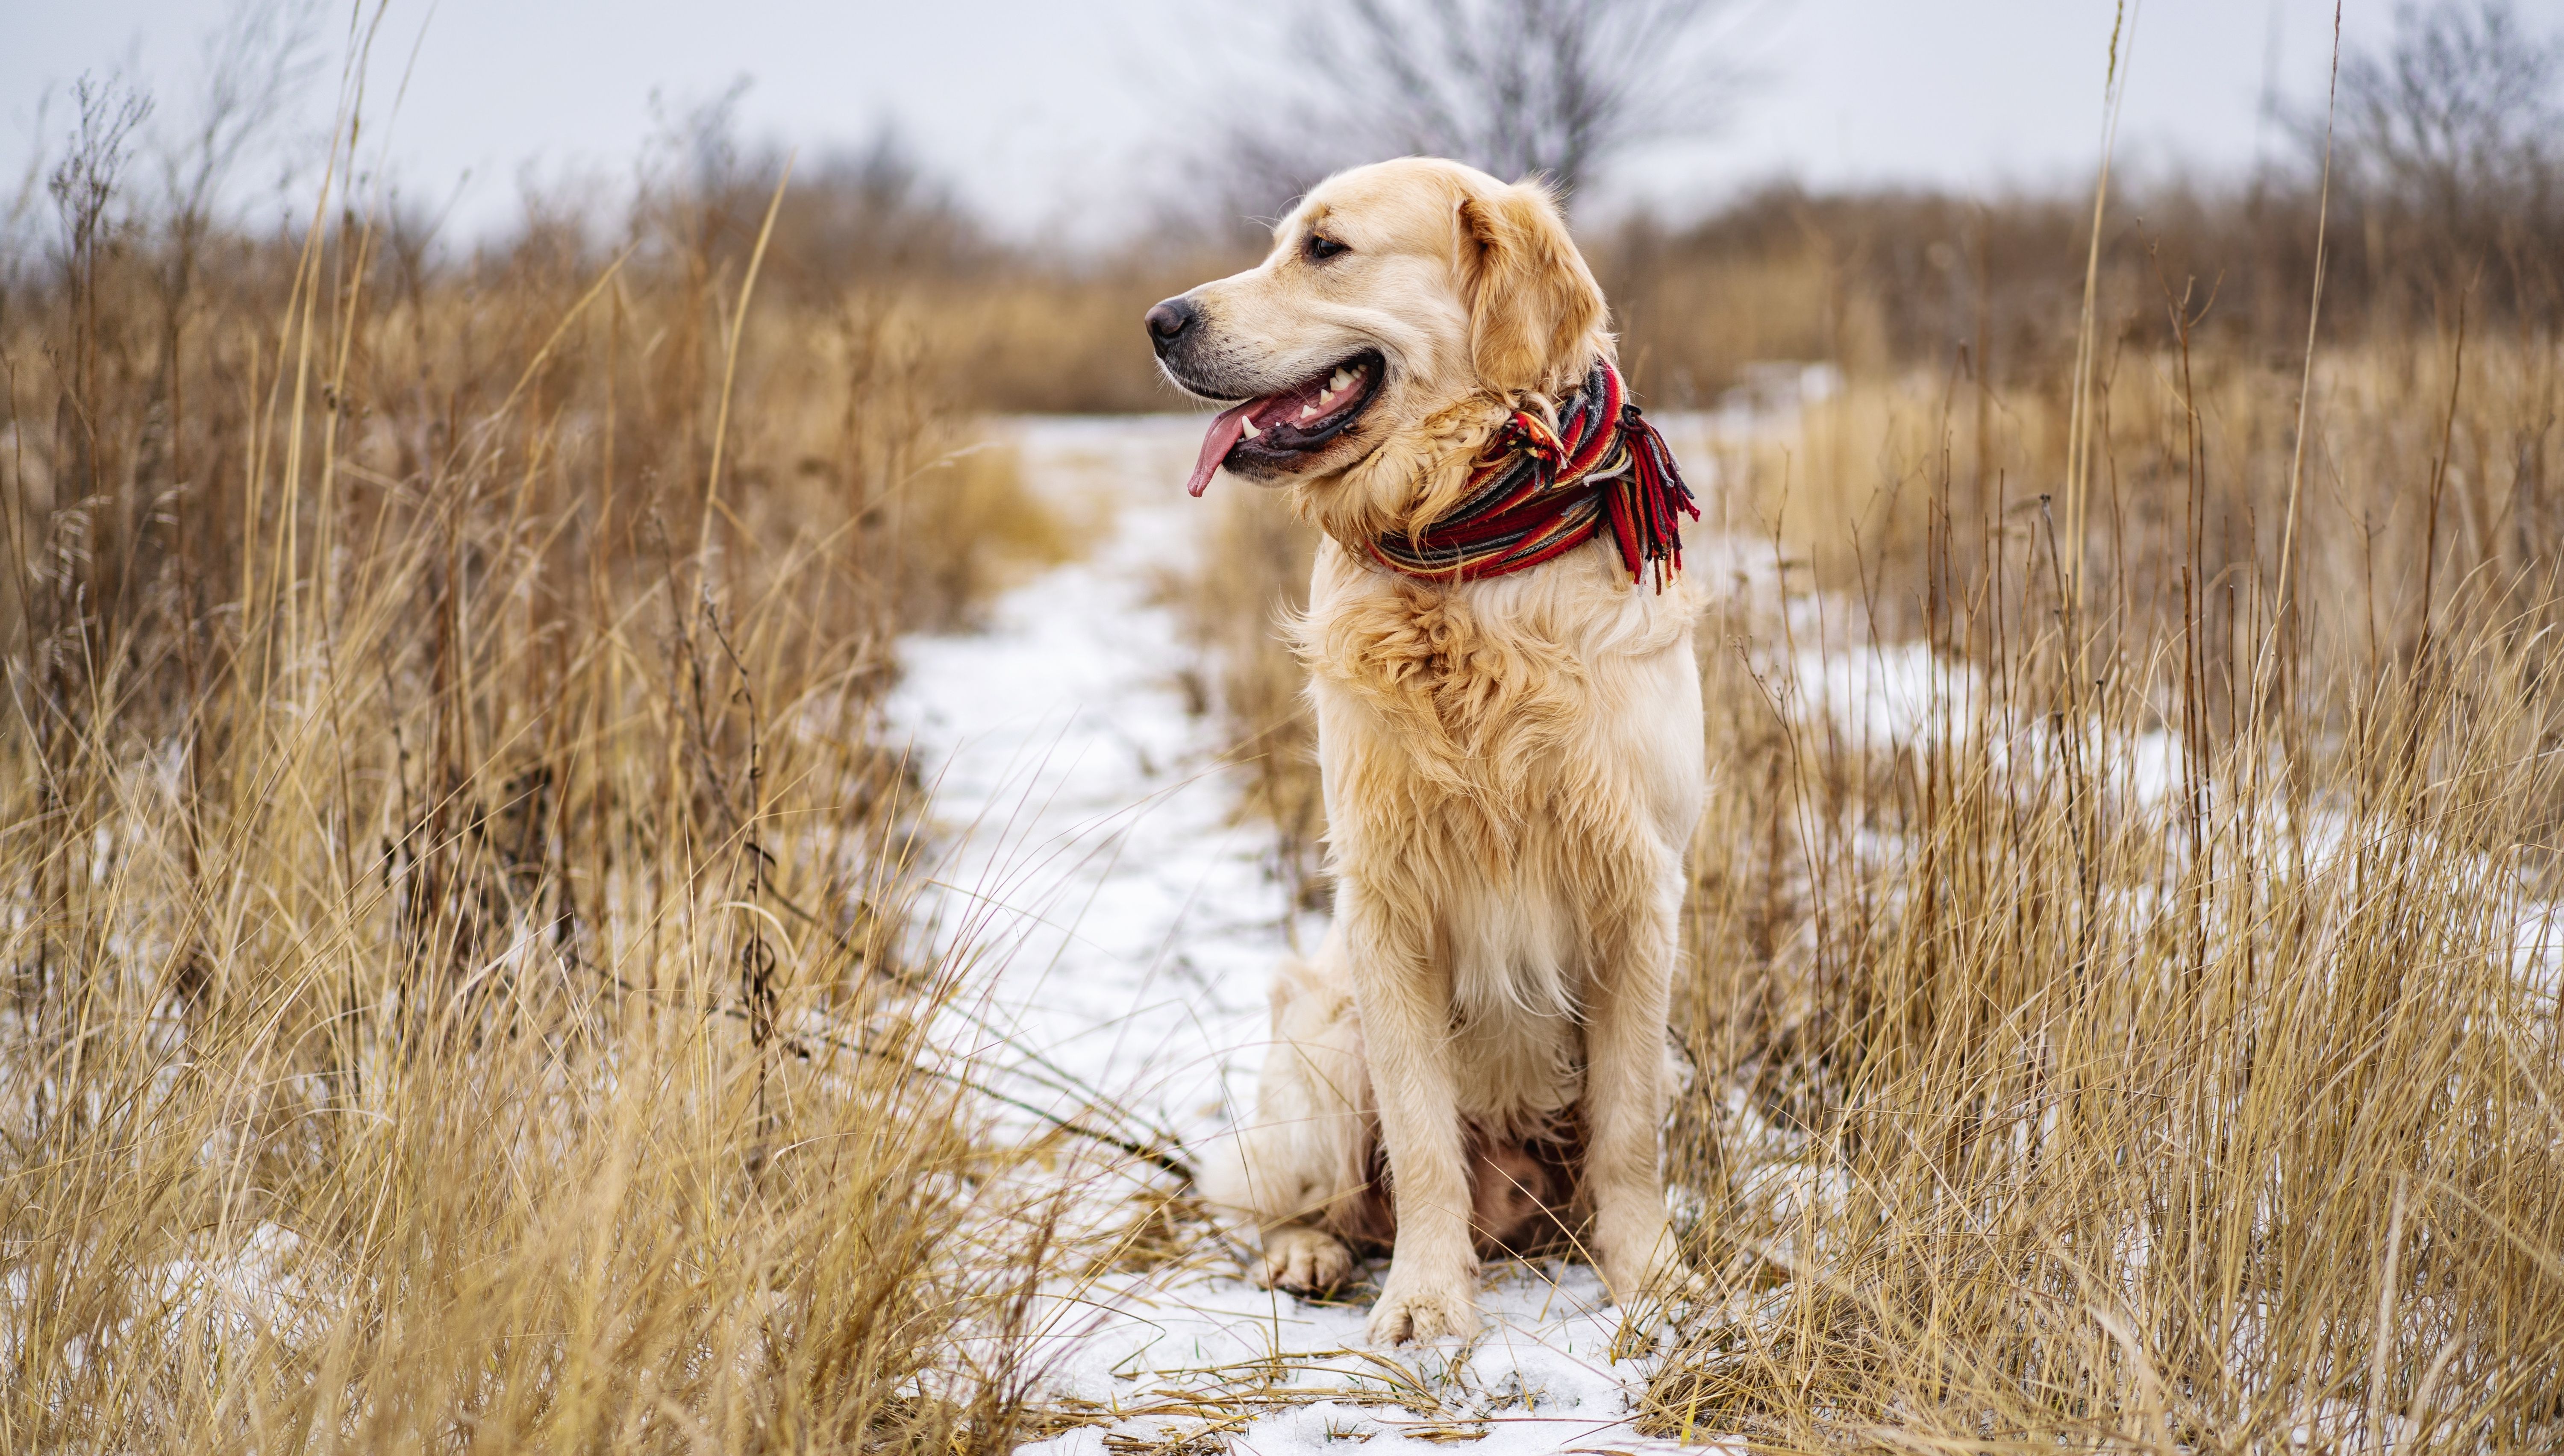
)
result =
(1513, 767)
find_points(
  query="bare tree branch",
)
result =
(2461, 107)
(1557, 88)
(2448, 144)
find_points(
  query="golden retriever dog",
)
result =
(1475, 1061)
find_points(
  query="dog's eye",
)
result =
(1322, 247)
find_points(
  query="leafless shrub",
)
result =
(2462, 104)
(2447, 139)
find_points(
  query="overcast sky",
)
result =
(1044, 113)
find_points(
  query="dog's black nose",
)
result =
(1169, 321)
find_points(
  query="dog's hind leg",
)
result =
(1302, 1168)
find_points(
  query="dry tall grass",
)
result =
(2124, 1001)
(456, 995)
(2132, 1021)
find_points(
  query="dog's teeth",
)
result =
(1338, 382)
(1247, 427)
(1307, 410)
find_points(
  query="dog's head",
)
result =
(1392, 292)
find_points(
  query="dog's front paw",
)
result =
(1664, 1283)
(1304, 1260)
(1414, 1311)
(1642, 1267)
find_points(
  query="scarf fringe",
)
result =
(1539, 492)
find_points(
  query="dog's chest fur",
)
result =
(1491, 703)
(1510, 768)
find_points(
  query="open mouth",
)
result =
(1292, 422)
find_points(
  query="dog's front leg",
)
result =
(1405, 1005)
(1624, 1103)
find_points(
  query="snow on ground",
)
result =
(1130, 926)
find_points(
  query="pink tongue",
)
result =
(1225, 428)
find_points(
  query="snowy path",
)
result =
(1132, 928)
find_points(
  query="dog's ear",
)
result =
(1533, 303)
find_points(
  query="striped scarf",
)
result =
(1538, 494)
